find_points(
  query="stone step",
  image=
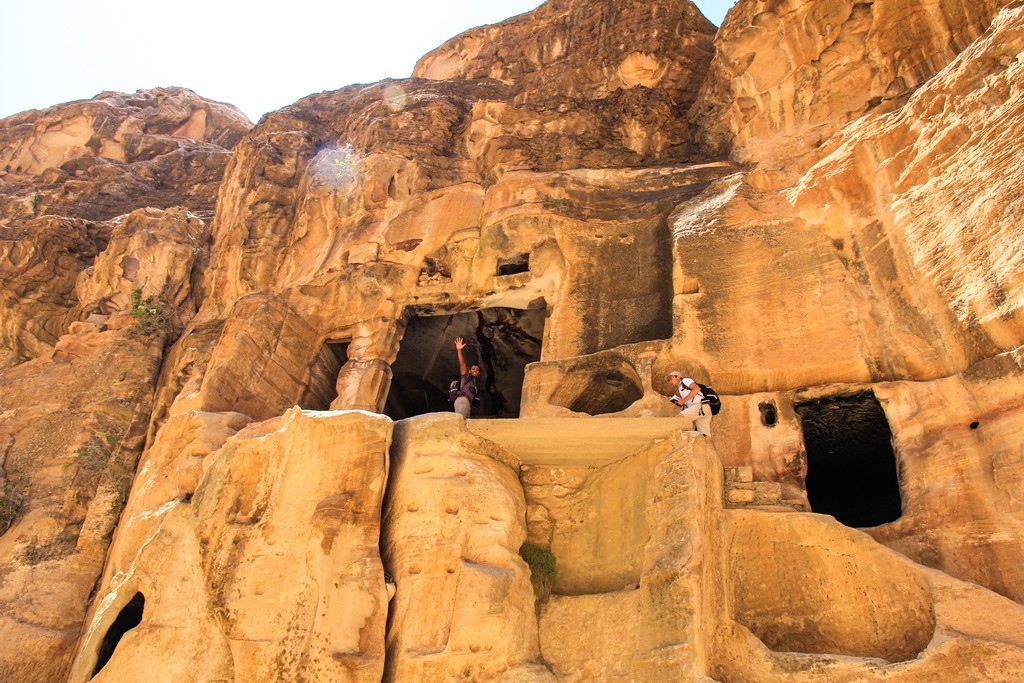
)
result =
(767, 492)
(739, 474)
(772, 508)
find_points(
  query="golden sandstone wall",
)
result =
(818, 202)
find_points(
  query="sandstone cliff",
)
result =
(227, 453)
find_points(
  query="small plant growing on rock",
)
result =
(11, 501)
(101, 456)
(62, 544)
(345, 166)
(148, 313)
(543, 570)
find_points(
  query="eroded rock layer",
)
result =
(815, 209)
(69, 175)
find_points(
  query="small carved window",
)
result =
(517, 264)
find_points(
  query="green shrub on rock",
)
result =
(543, 569)
(148, 313)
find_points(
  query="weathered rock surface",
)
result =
(788, 74)
(454, 525)
(67, 173)
(959, 645)
(565, 51)
(65, 271)
(100, 158)
(74, 419)
(882, 236)
(290, 588)
(159, 253)
(823, 607)
(72, 426)
(40, 261)
(817, 213)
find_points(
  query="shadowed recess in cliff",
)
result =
(129, 617)
(502, 341)
(599, 384)
(323, 377)
(629, 301)
(851, 467)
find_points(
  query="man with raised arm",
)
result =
(467, 382)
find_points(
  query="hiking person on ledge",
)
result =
(690, 398)
(467, 382)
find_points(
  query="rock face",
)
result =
(291, 586)
(83, 356)
(815, 209)
(67, 466)
(67, 175)
(104, 157)
(454, 526)
(787, 74)
(575, 51)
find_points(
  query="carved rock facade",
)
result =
(814, 209)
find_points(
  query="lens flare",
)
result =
(334, 167)
(395, 97)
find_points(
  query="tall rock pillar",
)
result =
(363, 384)
(364, 381)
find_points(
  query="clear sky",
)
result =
(258, 55)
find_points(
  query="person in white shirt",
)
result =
(690, 398)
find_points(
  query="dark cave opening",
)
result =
(512, 266)
(323, 376)
(851, 467)
(339, 350)
(502, 341)
(129, 617)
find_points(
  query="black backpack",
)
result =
(710, 398)
(455, 388)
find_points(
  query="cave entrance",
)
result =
(323, 376)
(502, 341)
(128, 618)
(851, 467)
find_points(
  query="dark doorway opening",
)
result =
(502, 341)
(512, 266)
(851, 467)
(129, 617)
(323, 376)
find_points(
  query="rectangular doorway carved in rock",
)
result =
(851, 467)
(502, 341)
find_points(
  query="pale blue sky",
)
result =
(257, 55)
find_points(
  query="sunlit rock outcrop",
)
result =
(884, 236)
(68, 174)
(72, 425)
(41, 261)
(99, 158)
(454, 525)
(787, 73)
(574, 51)
(256, 552)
